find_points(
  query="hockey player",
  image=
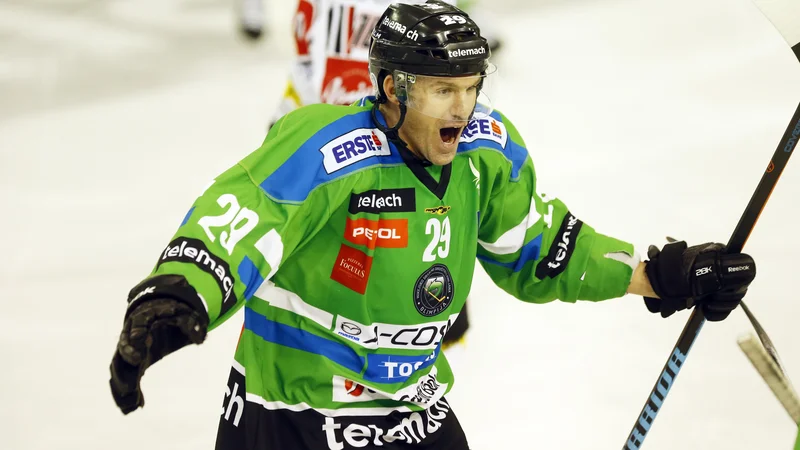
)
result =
(332, 42)
(350, 238)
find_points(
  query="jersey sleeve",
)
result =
(237, 233)
(534, 247)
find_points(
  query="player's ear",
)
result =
(388, 89)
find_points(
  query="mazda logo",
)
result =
(351, 329)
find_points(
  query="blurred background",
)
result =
(647, 117)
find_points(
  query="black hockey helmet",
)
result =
(428, 38)
(424, 38)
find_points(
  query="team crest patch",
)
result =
(433, 291)
(488, 128)
(355, 146)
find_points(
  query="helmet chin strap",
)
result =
(391, 133)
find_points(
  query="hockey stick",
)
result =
(772, 374)
(785, 15)
(769, 347)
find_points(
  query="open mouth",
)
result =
(449, 135)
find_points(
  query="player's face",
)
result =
(438, 110)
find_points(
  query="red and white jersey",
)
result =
(332, 43)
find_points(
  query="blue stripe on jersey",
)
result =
(187, 216)
(486, 138)
(294, 180)
(291, 337)
(517, 154)
(529, 252)
(250, 276)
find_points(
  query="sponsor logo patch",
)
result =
(351, 328)
(466, 52)
(439, 210)
(400, 28)
(355, 146)
(396, 368)
(790, 144)
(561, 250)
(386, 233)
(422, 336)
(348, 391)
(425, 391)
(351, 268)
(408, 429)
(194, 251)
(487, 128)
(233, 403)
(383, 201)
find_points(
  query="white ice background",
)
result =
(647, 117)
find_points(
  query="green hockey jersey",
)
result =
(352, 258)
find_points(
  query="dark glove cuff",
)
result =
(173, 287)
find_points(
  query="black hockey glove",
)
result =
(702, 274)
(164, 314)
(719, 305)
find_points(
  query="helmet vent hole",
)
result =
(434, 53)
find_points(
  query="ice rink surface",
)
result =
(647, 117)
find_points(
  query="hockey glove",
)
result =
(164, 314)
(704, 274)
(719, 305)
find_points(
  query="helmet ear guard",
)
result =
(401, 80)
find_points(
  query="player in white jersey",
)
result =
(332, 42)
(251, 18)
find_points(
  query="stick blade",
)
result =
(785, 16)
(774, 377)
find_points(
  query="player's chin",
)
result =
(443, 155)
